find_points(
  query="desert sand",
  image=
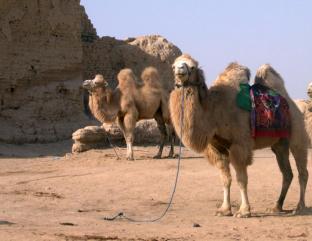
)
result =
(47, 193)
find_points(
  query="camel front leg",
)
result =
(127, 125)
(225, 209)
(300, 155)
(242, 180)
(221, 161)
(240, 158)
(129, 141)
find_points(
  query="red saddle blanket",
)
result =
(270, 116)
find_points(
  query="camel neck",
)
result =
(197, 127)
(104, 104)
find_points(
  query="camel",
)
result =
(131, 101)
(305, 107)
(216, 127)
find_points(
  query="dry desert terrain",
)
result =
(47, 193)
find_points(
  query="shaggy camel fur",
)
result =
(305, 107)
(131, 101)
(215, 126)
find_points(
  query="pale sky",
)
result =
(216, 32)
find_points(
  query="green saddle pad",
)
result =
(243, 99)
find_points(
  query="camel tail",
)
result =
(269, 77)
(86, 108)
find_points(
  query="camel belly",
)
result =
(148, 113)
(147, 110)
(263, 142)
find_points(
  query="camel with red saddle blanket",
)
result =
(214, 125)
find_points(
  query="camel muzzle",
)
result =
(87, 84)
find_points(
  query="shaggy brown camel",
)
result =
(131, 101)
(305, 107)
(215, 126)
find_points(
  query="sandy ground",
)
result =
(47, 193)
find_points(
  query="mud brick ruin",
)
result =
(47, 48)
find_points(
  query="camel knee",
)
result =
(129, 138)
(226, 178)
(288, 177)
(303, 176)
(241, 176)
(240, 155)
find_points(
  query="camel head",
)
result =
(94, 84)
(186, 71)
(310, 90)
(90, 86)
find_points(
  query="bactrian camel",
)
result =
(131, 101)
(216, 127)
(305, 107)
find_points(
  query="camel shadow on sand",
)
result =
(286, 213)
(4, 222)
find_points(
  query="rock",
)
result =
(90, 134)
(95, 137)
(146, 132)
(196, 225)
(90, 137)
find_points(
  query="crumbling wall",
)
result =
(108, 56)
(40, 70)
(47, 48)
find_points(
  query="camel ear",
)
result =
(202, 88)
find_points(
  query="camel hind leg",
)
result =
(163, 133)
(300, 154)
(172, 137)
(281, 151)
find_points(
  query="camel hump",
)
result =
(266, 75)
(150, 77)
(127, 79)
(233, 75)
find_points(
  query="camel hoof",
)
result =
(301, 209)
(157, 157)
(242, 214)
(276, 209)
(130, 159)
(223, 212)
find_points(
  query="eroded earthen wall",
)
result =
(108, 56)
(40, 70)
(47, 48)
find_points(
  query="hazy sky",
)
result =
(217, 32)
